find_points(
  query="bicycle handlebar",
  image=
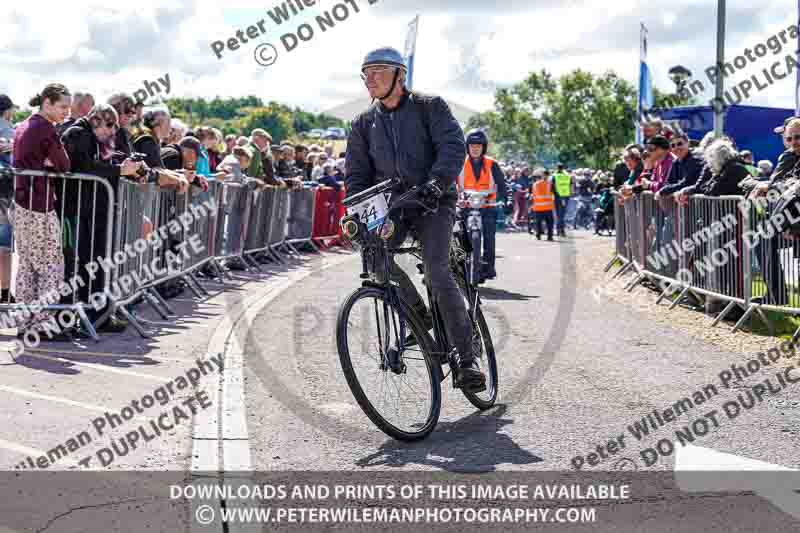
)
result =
(369, 193)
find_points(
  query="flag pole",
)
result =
(638, 136)
(719, 112)
(797, 82)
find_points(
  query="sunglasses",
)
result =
(792, 138)
(676, 144)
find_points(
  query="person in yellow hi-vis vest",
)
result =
(563, 189)
(543, 201)
(482, 173)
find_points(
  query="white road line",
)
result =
(109, 354)
(235, 446)
(21, 392)
(101, 368)
(30, 452)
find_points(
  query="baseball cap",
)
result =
(5, 103)
(779, 130)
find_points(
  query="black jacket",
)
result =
(416, 141)
(83, 149)
(784, 170)
(684, 173)
(723, 184)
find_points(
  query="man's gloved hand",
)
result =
(431, 190)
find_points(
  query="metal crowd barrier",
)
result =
(75, 214)
(301, 218)
(716, 248)
(143, 237)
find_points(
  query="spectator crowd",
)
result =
(57, 225)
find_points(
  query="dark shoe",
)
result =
(550, 239)
(468, 375)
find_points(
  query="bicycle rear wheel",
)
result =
(482, 346)
(397, 386)
(483, 349)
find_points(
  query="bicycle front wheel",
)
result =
(396, 384)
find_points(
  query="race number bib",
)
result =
(371, 212)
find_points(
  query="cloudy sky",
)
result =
(465, 48)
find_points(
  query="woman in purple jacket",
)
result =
(37, 229)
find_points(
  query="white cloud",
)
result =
(462, 53)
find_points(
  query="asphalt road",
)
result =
(575, 371)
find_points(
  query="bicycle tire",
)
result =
(424, 342)
(488, 363)
(475, 258)
(489, 359)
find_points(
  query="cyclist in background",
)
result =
(482, 173)
(415, 138)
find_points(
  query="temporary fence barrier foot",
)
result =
(632, 285)
(744, 318)
(293, 249)
(669, 291)
(313, 246)
(252, 262)
(148, 296)
(191, 286)
(217, 268)
(87, 323)
(679, 298)
(163, 302)
(622, 270)
(133, 322)
(196, 284)
(724, 313)
(274, 253)
(610, 263)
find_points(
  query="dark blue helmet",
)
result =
(387, 56)
(478, 137)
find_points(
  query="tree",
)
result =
(275, 118)
(578, 119)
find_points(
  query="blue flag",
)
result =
(646, 95)
(411, 50)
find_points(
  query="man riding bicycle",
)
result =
(482, 173)
(415, 139)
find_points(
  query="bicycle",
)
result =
(404, 348)
(470, 214)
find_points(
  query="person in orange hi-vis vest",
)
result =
(482, 173)
(543, 201)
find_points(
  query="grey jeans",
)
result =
(434, 233)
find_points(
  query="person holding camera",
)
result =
(85, 205)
